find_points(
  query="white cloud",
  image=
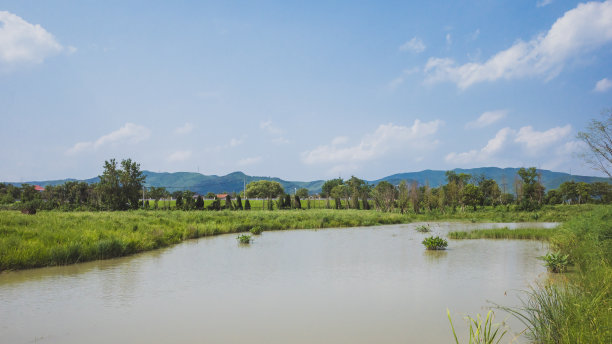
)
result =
(487, 118)
(340, 140)
(533, 139)
(542, 3)
(449, 39)
(582, 29)
(603, 85)
(514, 147)
(475, 35)
(270, 128)
(185, 129)
(415, 45)
(280, 141)
(22, 42)
(180, 155)
(249, 161)
(386, 137)
(235, 142)
(129, 133)
(395, 83)
(493, 146)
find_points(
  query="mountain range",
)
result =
(234, 182)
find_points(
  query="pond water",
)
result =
(351, 285)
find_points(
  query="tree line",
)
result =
(121, 188)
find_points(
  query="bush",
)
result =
(435, 243)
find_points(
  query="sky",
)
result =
(299, 90)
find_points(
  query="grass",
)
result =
(578, 308)
(505, 233)
(59, 238)
(480, 332)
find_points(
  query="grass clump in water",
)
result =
(435, 243)
(505, 233)
(423, 229)
(481, 332)
(257, 230)
(244, 239)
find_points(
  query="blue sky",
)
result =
(299, 90)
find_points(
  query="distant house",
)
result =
(221, 196)
(39, 188)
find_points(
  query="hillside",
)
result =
(202, 184)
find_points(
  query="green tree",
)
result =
(121, 187)
(384, 194)
(247, 205)
(199, 203)
(302, 192)
(238, 202)
(179, 201)
(403, 196)
(471, 195)
(530, 190)
(210, 195)
(266, 189)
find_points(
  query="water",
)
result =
(353, 285)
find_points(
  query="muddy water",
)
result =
(353, 285)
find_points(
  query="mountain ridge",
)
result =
(234, 181)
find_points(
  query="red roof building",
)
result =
(38, 188)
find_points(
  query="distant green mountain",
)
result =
(234, 182)
(550, 179)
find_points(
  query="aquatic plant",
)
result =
(423, 229)
(481, 332)
(555, 261)
(435, 243)
(244, 239)
(257, 230)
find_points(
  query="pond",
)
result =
(350, 285)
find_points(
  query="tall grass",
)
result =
(505, 233)
(577, 309)
(58, 238)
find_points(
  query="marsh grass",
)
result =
(577, 308)
(58, 238)
(435, 243)
(244, 238)
(505, 233)
(481, 331)
(423, 229)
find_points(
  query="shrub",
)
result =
(435, 243)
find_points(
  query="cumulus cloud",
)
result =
(414, 45)
(493, 146)
(249, 161)
(22, 42)
(487, 118)
(603, 85)
(130, 133)
(533, 139)
(512, 145)
(580, 30)
(180, 155)
(184, 129)
(374, 145)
